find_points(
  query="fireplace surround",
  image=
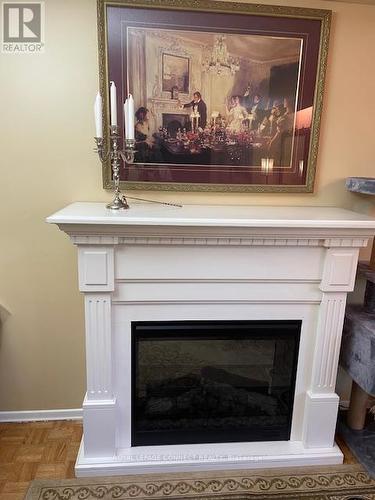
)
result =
(153, 265)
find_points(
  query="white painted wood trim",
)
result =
(95, 268)
(98, 346)
(327, 349)
(198, 458)
(41, 415)
(208, 236)
(162, 263)
(202, 225)
(143, 214)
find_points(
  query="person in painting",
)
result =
(143, 137)
(264, 128)
(231, 104)
(284, 125)
(273, 117)
(288, 114)
(236, 115)
(256, 112)
(247, 98)
(197, 104)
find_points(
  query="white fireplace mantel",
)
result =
(157, 262)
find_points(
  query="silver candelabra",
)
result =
(115, 155)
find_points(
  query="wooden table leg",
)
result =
(372, 259)
(357, 408)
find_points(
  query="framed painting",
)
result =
(231, 93)
(175, 73)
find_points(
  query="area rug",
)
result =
(345, 482)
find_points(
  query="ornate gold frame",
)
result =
(220, 7)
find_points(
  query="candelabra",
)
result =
(115, 155)
(195, 116)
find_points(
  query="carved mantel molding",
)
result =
(257, 240)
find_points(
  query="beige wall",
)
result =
(46, 121)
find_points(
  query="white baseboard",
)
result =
(35, 415)
(65, 414)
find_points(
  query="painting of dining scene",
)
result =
(214, 99)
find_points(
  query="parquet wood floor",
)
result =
(36, 450)
(47, 450)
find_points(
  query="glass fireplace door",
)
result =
(204, 382)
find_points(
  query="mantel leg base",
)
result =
(320, 419)
(99, 428)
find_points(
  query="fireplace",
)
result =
(210, 382)
(264, 285)
(174, 121)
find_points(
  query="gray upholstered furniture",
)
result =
(358, 355)
(358, 348)
(358, 345)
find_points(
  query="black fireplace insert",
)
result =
(213, 381)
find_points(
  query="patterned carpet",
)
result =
(345, 482)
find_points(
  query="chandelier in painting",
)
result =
(220, 62)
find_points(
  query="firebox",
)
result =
(211, 382)
(174, 121)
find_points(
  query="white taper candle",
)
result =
(98, 116)
(130, 117)
(126, 121)
(113, 96)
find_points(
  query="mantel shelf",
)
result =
(141, 214)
